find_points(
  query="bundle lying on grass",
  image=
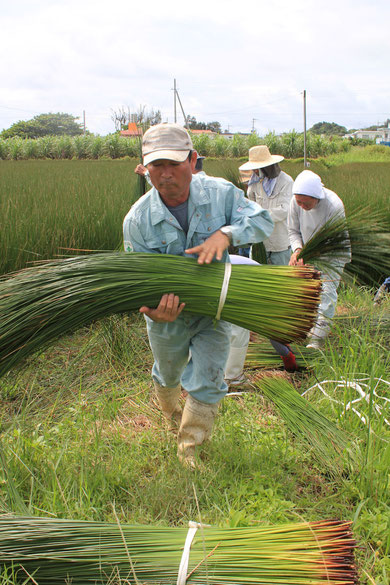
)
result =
(304, 421)
(39, 304)
(64, 551)
(262, 355)
(367, 235)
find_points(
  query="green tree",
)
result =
(328, 128)
(375, 127)
(45, 125)
(143, 117)
(193, 124)
(214, 127)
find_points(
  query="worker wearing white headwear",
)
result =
(311, 207)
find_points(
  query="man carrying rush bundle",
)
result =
(143, 171)
(188, 215)
(311, 207)
(270, 187)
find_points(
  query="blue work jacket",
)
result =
(213, 202)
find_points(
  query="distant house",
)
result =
(202, 132)
(132, 131)
(227, 135)
(230, 135)
(380, 135)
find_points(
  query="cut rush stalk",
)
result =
(304, 421)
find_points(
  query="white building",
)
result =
(380, 135)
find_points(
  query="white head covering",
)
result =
(308, 183)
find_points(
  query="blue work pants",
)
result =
(279, 258)
(193, 351)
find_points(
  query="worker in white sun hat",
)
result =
(311, 207)
(194, 215)
(271, 188)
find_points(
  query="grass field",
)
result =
(47, 205)
(80, 431)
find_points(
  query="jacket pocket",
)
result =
(206, 227)
(160, 243)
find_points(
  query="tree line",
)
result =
(61, 124)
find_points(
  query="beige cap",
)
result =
(166, 141)
(259, 157)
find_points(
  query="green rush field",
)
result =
(49, 205)
(82, 437)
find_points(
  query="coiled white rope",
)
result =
(368, 395)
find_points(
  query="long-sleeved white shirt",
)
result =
(277, 205)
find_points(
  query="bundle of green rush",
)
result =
(261, 355)
(56, 552)
(305, 422)
(39, 304)
(365, 232)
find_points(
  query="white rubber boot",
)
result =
(168, 399)
(196, 427)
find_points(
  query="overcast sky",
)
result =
(240, 63)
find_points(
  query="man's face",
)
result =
(306, 202)
(172, 179)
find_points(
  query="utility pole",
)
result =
(174, 100)
(304, 129)
(253, 123)
(176, 95)
(84, 121)
(184, 116)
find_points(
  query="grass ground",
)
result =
(81, 432)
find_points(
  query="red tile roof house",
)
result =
(132, 130)
(207, 132)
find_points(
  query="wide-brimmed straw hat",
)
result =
(259, 157)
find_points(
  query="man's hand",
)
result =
(167, 311)
(294, 258)
(140, 170)
(214, 246)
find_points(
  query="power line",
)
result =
(18, 110)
